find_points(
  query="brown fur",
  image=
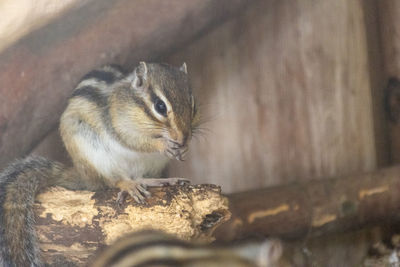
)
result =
(19, 184)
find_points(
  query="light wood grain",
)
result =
(286, 89)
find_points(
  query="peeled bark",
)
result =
(72, 225)
(315, 208)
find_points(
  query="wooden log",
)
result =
(316, 207)
(38, 73)
(72, 225)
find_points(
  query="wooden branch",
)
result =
(71, 225)
(316, 207)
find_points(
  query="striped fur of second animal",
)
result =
(155, 248)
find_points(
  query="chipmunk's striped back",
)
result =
(152, 248)
(95, 85)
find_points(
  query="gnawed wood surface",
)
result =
(72, 225)
(317, 207)
(38, 74)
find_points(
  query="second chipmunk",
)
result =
(154, 248)
(120, 130)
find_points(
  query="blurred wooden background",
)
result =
(288, 95)
(291, 90)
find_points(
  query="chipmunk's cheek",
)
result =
(161, 147)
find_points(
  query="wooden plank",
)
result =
(286, 90)
(39, 72)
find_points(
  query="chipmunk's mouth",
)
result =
(175, 150)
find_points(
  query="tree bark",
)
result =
(315, 208)
(72, 225)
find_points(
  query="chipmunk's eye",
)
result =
(160, 107)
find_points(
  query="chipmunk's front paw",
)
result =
(137, 190)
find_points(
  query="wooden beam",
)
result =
(315, 208)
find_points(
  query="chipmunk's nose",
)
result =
(180, 138)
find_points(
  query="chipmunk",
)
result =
(154, 248)
(120, 129)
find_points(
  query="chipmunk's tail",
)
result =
(19, 184)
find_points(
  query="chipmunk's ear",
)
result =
(183, 68)
(140, 77)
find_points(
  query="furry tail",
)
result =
(19, 184)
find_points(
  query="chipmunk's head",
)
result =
(158, 109)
